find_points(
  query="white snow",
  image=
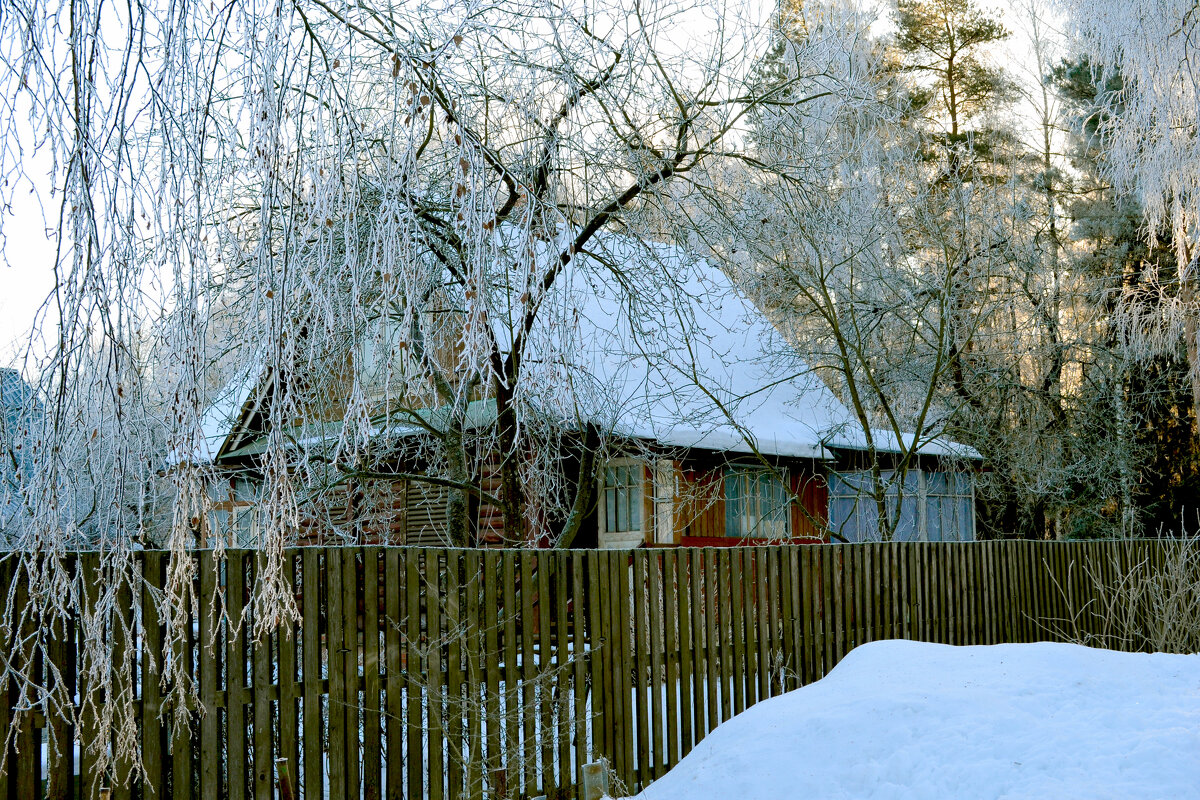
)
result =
(900, 719)
(659, 345)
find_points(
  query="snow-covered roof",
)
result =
(663, 347)
(224, 413)
(885, 441)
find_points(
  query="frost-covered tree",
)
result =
(1148, 130)
(360, 211)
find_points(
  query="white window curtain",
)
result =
(933, 506)
(756, 504)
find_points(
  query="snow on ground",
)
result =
(913, 720)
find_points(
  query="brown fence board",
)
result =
(657, 684)
(310, 577)
(372, 746)
(212, 655)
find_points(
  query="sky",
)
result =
(26, 269)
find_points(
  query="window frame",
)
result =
(645, 514)
(920, 494)
(746, 474)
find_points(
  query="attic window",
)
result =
(756, 503)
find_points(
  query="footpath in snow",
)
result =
(900, 719)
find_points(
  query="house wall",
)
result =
(684, 497)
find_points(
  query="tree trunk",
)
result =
(585, 491)
(512, 506)
(458, 517)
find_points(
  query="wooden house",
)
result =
(714, 430)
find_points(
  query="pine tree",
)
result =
(941, 47)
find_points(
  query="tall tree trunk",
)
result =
(585, 491)
(512, 505)
(458, 517)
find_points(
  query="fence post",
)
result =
(595, 780)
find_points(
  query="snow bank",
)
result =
(907, 719)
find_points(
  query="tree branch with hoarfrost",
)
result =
(351, 219)
(1152, 153)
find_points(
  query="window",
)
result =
(623, 485)
(934, 506)
(756, 504)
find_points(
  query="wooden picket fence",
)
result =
(440, 674)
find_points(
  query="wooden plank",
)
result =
(908, 597)
(310, 576)
(641, 667)
(287, 640)
(212, 656)
(26, 766)
(883, 590)
(1033, 582)
(580, 657)
(235, 676)
(725, 629)
(7, 689)
(742, 629)
(352, 653)
(89, 725)
(473, 583)
(455, 637)
(822, 589)
(853, 585)
(621, 606)
(435, 669)
(513, 756)
(547, 679)
(932, 585)
(614, 660)
(869, 586)
(672, 688)
(787, 619)
(712, 654)
(656, 685)
(808, 642)
(688, 707)
(765, 593)
(261, 657)
(557, 589)
(414, 760)
(528, 676)
(775, 651)
(700, 713)
(124, 650)
(828, 554)
(1003, 592)
(335, 642)
(1007, 598)
(393, 645)
(843, 617)
(978, 554)
(61, 749)
(491, 655)
(598, 633)
(372, 703)
(182, 739)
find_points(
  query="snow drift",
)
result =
(913, 720)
